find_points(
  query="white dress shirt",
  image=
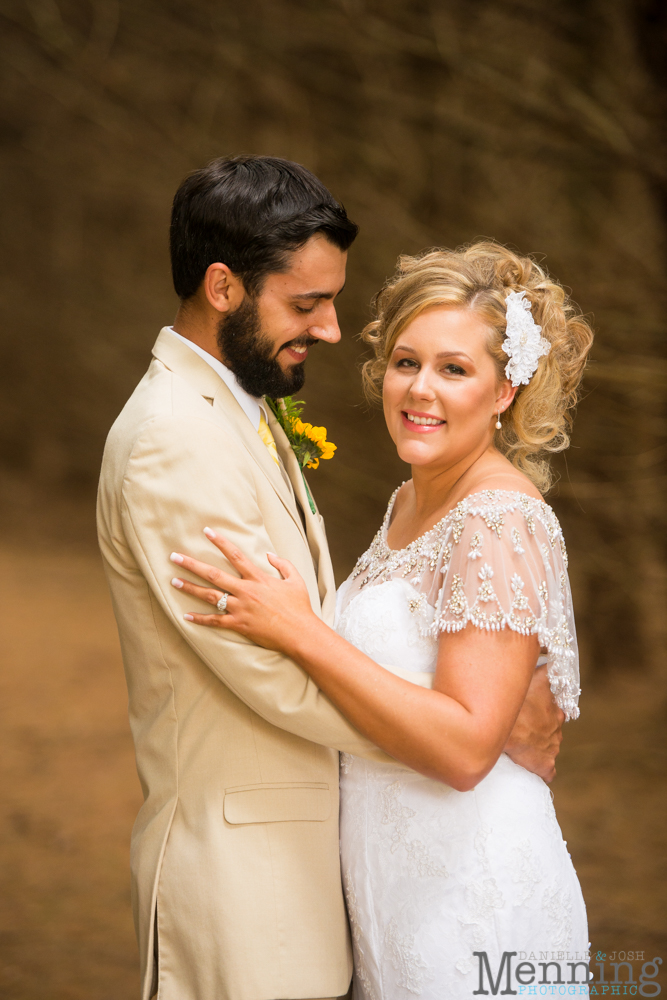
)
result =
(251, 405)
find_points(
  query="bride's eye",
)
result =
(406, 363)
(454, 370)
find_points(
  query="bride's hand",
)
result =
(267, 610)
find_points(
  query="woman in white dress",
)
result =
(459, 859)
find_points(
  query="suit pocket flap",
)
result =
(281, 802)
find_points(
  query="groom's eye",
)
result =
(304, 309)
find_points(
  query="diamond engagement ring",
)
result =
(222, 604)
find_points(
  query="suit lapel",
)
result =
(180, 359)
(317, 539)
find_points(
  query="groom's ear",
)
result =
(224, 290)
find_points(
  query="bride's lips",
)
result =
(420, 428)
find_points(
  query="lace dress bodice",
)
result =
(497, 560)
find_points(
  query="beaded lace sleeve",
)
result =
(497, 560)
(505, 566)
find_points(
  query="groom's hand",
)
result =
(535, 741)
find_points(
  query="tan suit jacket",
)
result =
(235, 848)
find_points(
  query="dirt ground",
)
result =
(70, 792)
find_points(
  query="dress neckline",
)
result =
(487, 494)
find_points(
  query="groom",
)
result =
(236, 881)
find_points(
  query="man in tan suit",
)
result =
(236, 880)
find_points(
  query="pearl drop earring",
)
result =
(498, 423)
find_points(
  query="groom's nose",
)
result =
(326, 327)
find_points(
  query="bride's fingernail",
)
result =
(272, 554)
(177, 583)
(209, 532)
(188, 618)
(176, 557)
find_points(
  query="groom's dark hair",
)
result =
(250, 213)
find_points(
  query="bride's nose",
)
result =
(421, 387)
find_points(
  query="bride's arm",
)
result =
(454, 733)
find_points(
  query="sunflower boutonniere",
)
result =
(309, 443)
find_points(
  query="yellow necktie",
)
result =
(264, 432)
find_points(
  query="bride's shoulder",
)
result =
(507, 510)
(502, 482)
(502, 493)
(502, 501)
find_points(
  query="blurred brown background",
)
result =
(435, 121)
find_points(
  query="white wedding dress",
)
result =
(433, 875)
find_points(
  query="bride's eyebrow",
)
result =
(454, 354)
(440, 354)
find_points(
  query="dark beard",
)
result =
(249, 354)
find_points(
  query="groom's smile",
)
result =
(297, 350)
(296, 306)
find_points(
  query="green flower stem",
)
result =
(286, 411)
(308, 494)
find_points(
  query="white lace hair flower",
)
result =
(523, 344)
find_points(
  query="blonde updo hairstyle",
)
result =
(479, 277)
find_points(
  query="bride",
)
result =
(458, 858)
